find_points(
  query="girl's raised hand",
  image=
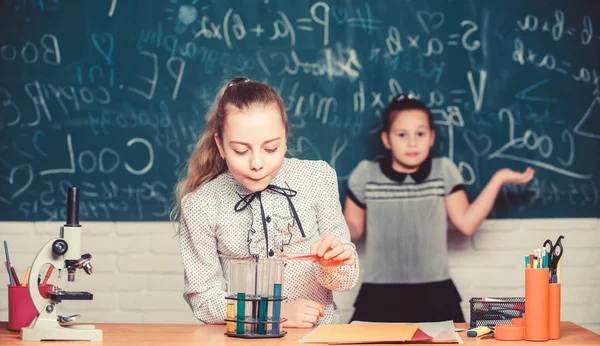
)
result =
(508, 176)
(301, 313)
(331, 252)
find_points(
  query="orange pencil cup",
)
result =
(554, 311)
(21, 310)
(536, 304)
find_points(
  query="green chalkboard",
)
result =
(111, 95)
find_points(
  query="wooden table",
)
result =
(212, 335)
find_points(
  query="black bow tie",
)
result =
(288, 193)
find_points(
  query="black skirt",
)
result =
(427, 302)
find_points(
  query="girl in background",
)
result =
(242, 199)
(403, 202)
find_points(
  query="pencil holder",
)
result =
(495, 311)
(21, 310)
(254, 298)
(536, 304)
(554, 311)
(509, 333)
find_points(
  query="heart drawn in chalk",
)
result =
(273, 63)
(340, 15)
(430, 21)
(105, 45)
(19, 180)
(480, 144)
(305, 148)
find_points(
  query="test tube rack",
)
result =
(263, 320)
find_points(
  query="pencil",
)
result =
(10, 274)
(15, 277)
(26, 280)
(10, 277)
(48, 273)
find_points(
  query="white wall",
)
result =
(138, 272)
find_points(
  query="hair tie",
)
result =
(237, 80)
(401, 97)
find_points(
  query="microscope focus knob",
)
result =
(59, 247)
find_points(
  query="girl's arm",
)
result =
(467, 217)
(331, 222)
(355, 218)
(202, 281)
(355, 203)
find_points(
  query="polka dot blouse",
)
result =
(223, 220)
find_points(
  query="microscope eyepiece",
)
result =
(73, 207)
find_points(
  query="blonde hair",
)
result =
(205, 162)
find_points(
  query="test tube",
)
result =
(237, 282)
(263, 291)
(276, 280)
(251, 284)
(272, 268)
(231, 291)
(230, 303)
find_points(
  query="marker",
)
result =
(489, 336)
(479, 331)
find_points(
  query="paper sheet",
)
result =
(360, 333)
(441, 332)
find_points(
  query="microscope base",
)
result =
(70, 332)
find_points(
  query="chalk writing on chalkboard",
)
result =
(111, 95)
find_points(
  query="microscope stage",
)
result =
(64, 295)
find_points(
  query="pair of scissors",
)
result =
(555, 252)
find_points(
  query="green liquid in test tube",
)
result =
(276, 308)
(238, 287)
(264, 271)
(241, 313)
(276, 283)
(262, 315)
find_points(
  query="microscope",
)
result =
(63, 252)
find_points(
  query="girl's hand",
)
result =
(508, 176)
(331, 252)
(301, 313)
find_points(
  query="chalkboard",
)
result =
(111, 95)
